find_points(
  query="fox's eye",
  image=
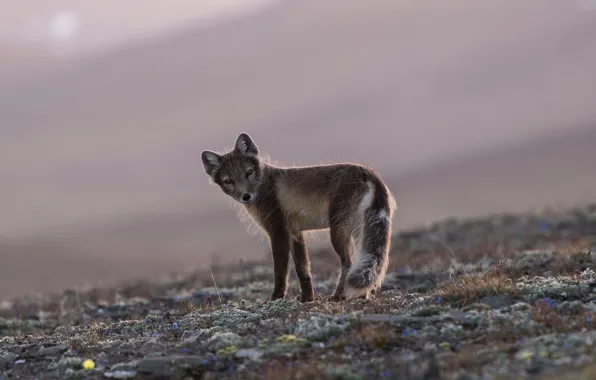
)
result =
(249, 172)
(227, 181)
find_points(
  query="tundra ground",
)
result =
(507, 296)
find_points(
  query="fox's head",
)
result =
(238, 172)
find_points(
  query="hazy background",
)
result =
(466, 108)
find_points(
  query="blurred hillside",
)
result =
(466, 108)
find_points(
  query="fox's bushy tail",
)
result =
(372, 251)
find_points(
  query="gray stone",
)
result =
(191, 337)
(498, 302)
(126, 366)
(458, 315)
(398, 318)
(120, 374)
(7, 361)
(249, 353)
(168, 365)
(53, 350)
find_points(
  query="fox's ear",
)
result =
(245, 145)
(211, 162)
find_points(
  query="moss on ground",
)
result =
(509, 295)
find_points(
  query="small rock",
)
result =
(53, 350)
(120, 374)
(7, 361)
(127, 366)
(166, 366)
(383, 318)
(458, 315)
(498, 302)
(155, 367)
(398, 318)
(191, 337)
(249, 353)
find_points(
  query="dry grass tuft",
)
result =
(471, 288)
(370, 336)
(464, 360)
(187, 307)
(96, 332)
(282, 370)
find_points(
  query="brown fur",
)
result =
(349, 199)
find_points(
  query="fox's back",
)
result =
(306, 194)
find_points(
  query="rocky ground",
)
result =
(508, 296)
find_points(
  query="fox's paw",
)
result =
(337, 298)
(307, 297)
(277, 296)
(304, 298)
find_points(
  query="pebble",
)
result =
(249, 353)
(7, 361)
(167, 365)
(498, 301)
(120, 374)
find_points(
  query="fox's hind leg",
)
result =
(341, 240)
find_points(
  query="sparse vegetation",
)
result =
(511, 295)
(470, 288)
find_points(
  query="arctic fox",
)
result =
(349, 199)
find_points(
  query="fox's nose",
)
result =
(246, 197)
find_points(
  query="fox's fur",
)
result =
(349, 199)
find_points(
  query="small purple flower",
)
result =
(521, 340)
(407, 331)
(438, 300)
(386, 373)
(205, 361)
(185, 350)
(175, 325)
(544, 225)
(550, 302)
(155, 333)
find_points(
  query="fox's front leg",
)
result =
(280, 248)
(302, 265)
